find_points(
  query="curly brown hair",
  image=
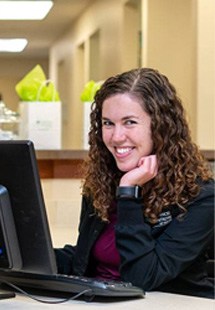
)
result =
(179, 159)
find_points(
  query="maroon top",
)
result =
(105, 253)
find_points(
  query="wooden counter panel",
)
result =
(60, 169)
(62, 164)
(61, 154)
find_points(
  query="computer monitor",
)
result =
(27, 257)
(20, 180)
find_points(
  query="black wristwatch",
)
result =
(131, 192)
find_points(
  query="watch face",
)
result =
(128, 192)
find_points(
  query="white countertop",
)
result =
(152, 301)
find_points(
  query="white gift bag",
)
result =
(40, 122)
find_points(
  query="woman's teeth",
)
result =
(123, 150)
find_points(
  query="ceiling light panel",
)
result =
(12, 45)
(24, 10)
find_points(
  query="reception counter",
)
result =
(66, 164)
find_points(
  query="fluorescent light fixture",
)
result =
(24, 10)
(12, 45)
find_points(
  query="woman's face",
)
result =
(126, 130)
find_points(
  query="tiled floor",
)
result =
(63, 203)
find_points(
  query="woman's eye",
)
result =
(130, 122)
(106, 123)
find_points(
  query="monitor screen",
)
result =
(20, 177)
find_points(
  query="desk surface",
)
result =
(152, 301)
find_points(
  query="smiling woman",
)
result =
(148, 194)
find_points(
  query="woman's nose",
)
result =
(118, 134)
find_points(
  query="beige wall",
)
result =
(206, 74)
(180, 41)
(12, 70)
(174, 40)
(170, 46)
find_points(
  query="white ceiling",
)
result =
(42, 34)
